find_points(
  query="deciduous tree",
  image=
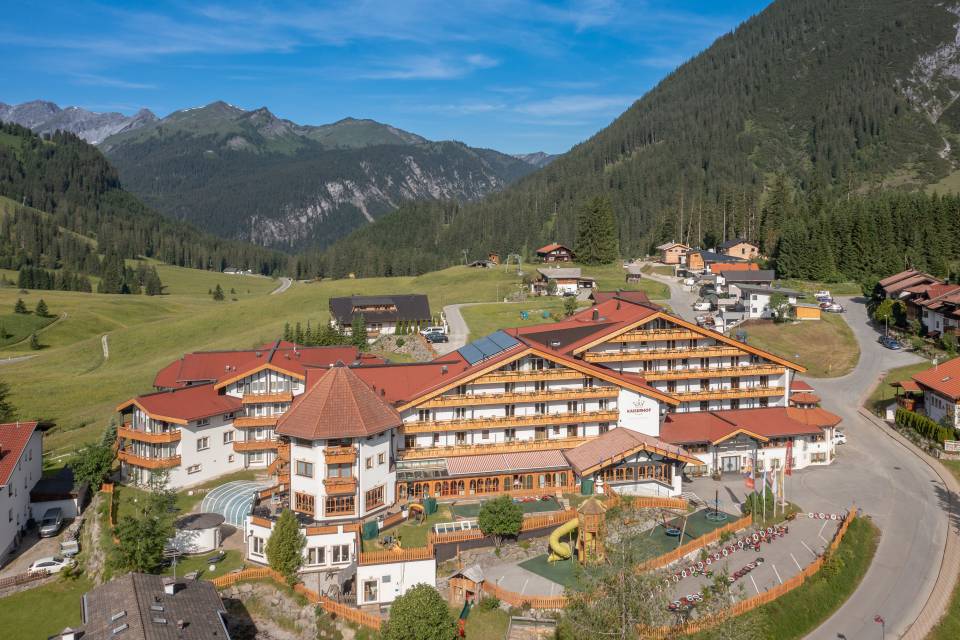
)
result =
(420, 614)
(285, 546)
(500, 518)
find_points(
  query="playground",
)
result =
(470, 510)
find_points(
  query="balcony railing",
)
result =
(246, 422)
(431, 426)
(532, 396)
(643, 335)
(340, 486)
(627, 355)
(268, 444)
(256, 398)
(713, 372)
(160, 437)
(480, 449)
(129, 457)
(723, 394)
(530, 375)
(340, 455)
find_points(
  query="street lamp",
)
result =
(883, 626)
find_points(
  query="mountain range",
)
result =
(253, 176)
(801, 105)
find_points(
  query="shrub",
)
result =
(488, 603)
(923, 426)
(420, 614)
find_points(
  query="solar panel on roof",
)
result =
(487, 347)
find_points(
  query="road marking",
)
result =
(795, 562)
(755, 585)
(777, 572)
(812, 552)
(524, 588)
(822, 527)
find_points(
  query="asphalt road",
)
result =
(457, 329)
(284, 285)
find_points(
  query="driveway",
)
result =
(681, 299)
(284, 285)
(32, 548)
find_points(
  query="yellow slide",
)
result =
(561, 550)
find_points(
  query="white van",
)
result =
(437, 329)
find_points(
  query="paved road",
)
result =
(284, 285)
(681, 300)
(105, 345)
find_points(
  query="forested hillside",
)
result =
(253, 176)
(66, 209)
(831, 97)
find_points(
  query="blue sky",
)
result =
(517, 76)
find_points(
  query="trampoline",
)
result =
(232, 500)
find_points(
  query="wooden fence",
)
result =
(22, 578)
(107, 488)
(330, 606)
(393, 520)
(515, 599)
(694, 545)
(758, 600)
(396, 555)
(643, 502)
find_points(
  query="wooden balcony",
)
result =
(482, 449)
(257, 398)
(714, 372)
(246, 422)
(500, 422)
(340, 455)
(532, 375)
(629, 355)
(725, 394)
(148, 463)
(242, 446)
(164, 437)
(644, 335)
(340, 486)
(532, 396)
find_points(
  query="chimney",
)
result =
(443, 370)
(169, 586)
(595, 315)
(68, 634)
(258, 353)
(181, 624)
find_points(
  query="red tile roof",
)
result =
(614, 445)
(206, 366)
(636, 297)
(338, 405)
(943, 378)
(553, 246)
(799, 385)
(804, 398)
(14, 437)
(766, 423)
(506, 462)
(907, 279)
(184, 404)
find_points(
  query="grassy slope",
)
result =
(484, 319)
(826, 348)
(949, 626)
(43, 611)
(70, 383)
(19, 326)
(883, 392)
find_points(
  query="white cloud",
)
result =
(429, 68)
(103, 81)
(575, 105)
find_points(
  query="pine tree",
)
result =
(35, 342)
(358, 333)
(597, 241)
(287, 333)
(218, 293)
(8, 412)
(42, 310)
(285, 546)
(20, 307)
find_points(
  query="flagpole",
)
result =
(764, 481)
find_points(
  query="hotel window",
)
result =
(510, 434)
(368, 463)
(540, 385)
(409, 442)
(202, 422)
(228, 416)
(556, 430)
(338, 506)
(304, 469)
(303, 502)
(735, 403)
(704, 363)
(374, 498)
(257, 546)
(602, 404)
(671, 386)
(764, 402)
(485, 434)
(705, 384)
(508, 387)
(461, 438)
(423, 415)
(704, 405)
(509, 410)
(459, 413)
(604, 427)
(341, 553)
(230, 458)
(203, 444)
(818, 457)
(316, 555)
(370, 590)
(649, 365)
(436, 439)
(255, 458)
(540, 408)
(540, 433)
(461, 390)
(381, 458)
(339, 470)
(734, 383)
(764, 381)
(572, 431)
(227, 437)
(194, 468)
(588, 383)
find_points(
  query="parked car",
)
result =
(437, 337)
(839, 437)
(701, 305)
(69, 548)
(823, 295)
(51, 522)
(831, 307)
(689, 282)
(569, 294)
(52, 564)
(437, 329)
(889, 342)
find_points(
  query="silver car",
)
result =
(51, 523)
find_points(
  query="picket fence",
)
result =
(694, 545)
(332, 607)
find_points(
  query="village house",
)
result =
(756, 299)
(739, 248)
(634, 274)
(21, 467)
(940, 385)
(906, 283)
(939, 309)
(698, 261)
(762, 277)
(672, 252)
(724, 267)
(561, 280)
(555, 253)
(382, 315)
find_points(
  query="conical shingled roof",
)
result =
(339, 405)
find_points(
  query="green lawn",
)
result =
(412, 534)
(802, 610)
(485, 624)
(883, 392)
(484, 319)
(186, 500)
(43, 611)
(835, 288)
(234, 560)
(826, 347)
(949, 626)
(19, 326)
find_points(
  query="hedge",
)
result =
(923, 425)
